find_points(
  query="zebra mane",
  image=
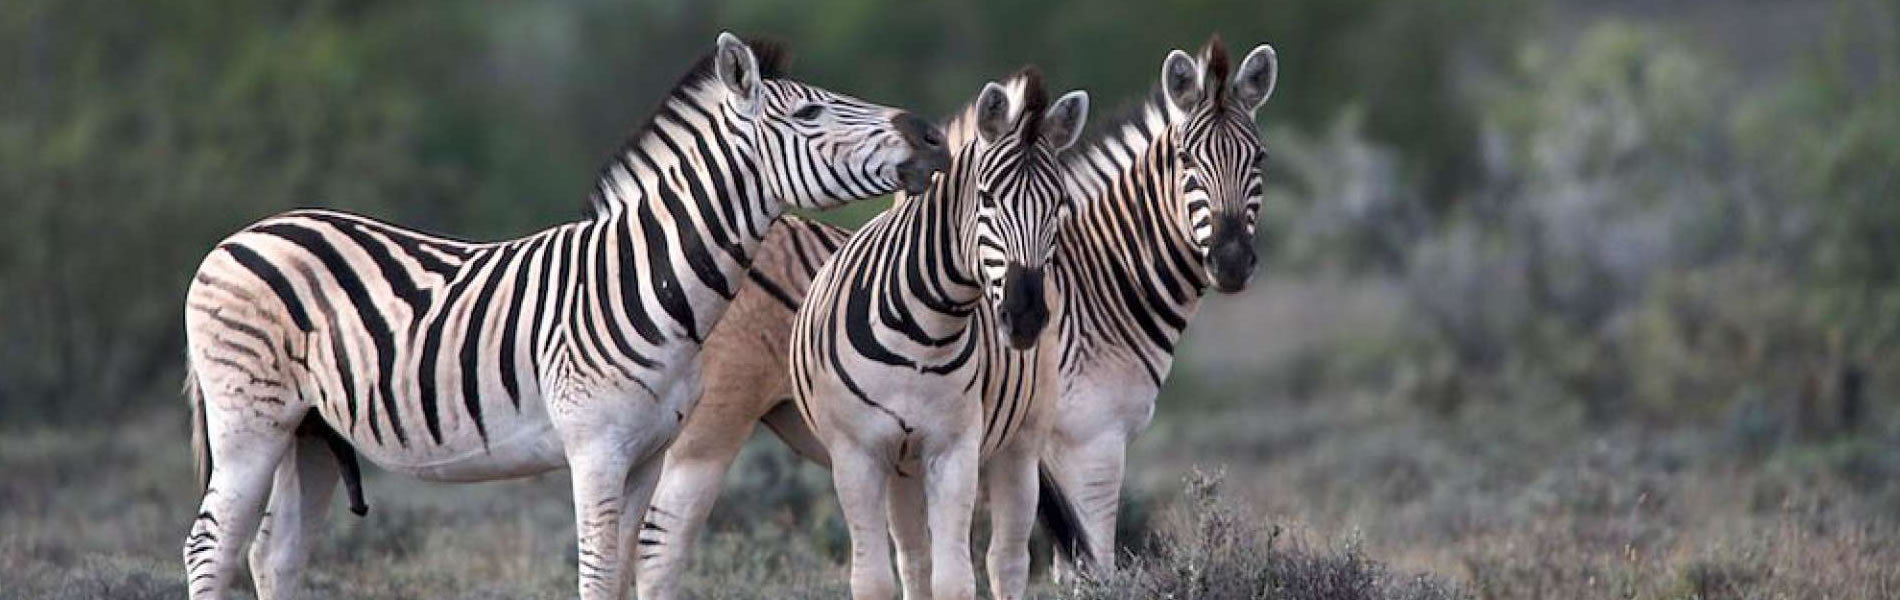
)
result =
(1144, 118)
(1035, 102)
(772, 57)
(1027, 84)
(1214, 61)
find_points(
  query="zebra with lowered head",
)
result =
(1135, 222)
(316, 335)
(914, 357)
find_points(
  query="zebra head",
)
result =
(1218, 151)
(1022, 195)
(819, 148)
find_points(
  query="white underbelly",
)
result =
(523, 450)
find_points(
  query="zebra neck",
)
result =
(945, 242)
(679, 212)
(1131, 270)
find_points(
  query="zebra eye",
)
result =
(984, 197)
(809, 112)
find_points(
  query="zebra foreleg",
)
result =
(1012, 489)
(636, 494)
(908, 527)
(601, 473)
(299, 500)
(950, 492)
(860, 478)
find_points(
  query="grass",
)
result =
(1339, 486)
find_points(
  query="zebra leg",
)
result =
(908, 527)
(306, 479)
(861, 480)
(634, 547)
(601, 472)
(1012, 488)
(1089, 476)
(246, 447)
(950, 492)
(694, 471)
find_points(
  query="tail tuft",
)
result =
(1057, 513)
(200, 446)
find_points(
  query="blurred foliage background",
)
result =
(135, 136)
(1638, 217)
(1519, 257)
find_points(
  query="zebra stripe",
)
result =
(406, 343)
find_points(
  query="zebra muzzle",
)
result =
(927, 152)
(1231, 258)
(1025, 308)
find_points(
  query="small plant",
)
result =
(1211, 549)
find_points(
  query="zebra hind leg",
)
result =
(243, 457)
(694, 472)
(299, 499)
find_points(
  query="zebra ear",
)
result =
(1181, 82)
(738, 70)
(1063, 122)
(1253, 84)
(992, 113)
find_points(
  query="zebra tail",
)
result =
(1057, 512)
(200, 448)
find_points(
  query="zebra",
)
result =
(922, 329)
(316, 334)
(1176, 192)
(1090, 440)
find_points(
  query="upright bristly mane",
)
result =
(772, 57)
(960, 128)
(1214, 56)
(1035, 102)
(1143, 118)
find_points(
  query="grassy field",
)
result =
(1250, 484)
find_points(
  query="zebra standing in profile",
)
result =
(1128, 230)
(457, 361)
(914, 358)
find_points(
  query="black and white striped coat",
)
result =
(925, 320)
(1116, 336)
(313, 333)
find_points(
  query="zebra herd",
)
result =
(1013, 314)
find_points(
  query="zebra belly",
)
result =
(515, 446)
(1105, 400)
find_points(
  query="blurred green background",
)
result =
(1503, 240)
